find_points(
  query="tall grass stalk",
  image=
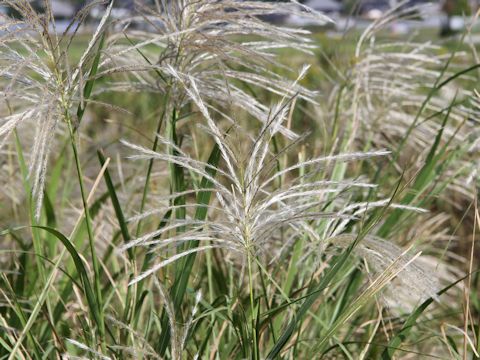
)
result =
(91, 239)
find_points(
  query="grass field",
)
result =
(223, 188)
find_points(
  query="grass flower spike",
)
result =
(251, 213)
(41, 90)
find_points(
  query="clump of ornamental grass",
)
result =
(419, 98)
(261, 211)
(43, 101)
(257, 251)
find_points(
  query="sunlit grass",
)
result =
(201, 196)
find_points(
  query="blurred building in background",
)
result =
(65, 8)
(326, 6)
(445, 14)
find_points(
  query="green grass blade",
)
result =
(92, 302)
(115, 202)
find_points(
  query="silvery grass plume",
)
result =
(386, 101)
(411, 286)
(219, 44)
(413, 282)
(252, 211)
(40, 88)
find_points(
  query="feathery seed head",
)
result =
(411, 286)
(39, 86)
(253, 211)
(217, 44)
(399, 94)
